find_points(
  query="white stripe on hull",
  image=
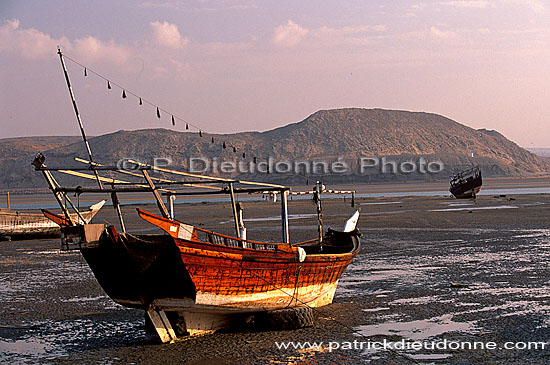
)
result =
(311, 295)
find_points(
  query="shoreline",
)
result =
(516, 181)
(491, 186)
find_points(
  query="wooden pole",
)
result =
(71, 93)
(38, 164)
(284, 215)
(116, 205)
(8, 198)
(156, 194)
(58, 196)
(171, 199)
(319, 188)
(204, 176)
(234, 207)
(242, 228)
(162, 325)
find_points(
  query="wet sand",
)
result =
(398, 287)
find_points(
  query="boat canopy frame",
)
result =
(167, 187)
(196, 185)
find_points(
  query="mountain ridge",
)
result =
(348, 134)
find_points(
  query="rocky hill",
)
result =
(12, 148)
(406, 139)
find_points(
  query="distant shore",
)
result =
(25, 199)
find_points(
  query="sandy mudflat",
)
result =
(399, 287)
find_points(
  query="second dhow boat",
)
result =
(16, 224)
(466, 184)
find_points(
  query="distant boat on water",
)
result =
(466, 184)
(15, 224)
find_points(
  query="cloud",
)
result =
(409, 14)
(289, 34)
(93, 50)
(535, 5)
(168, 35)
(349, 35)
(478, 4)
(442, 34)
(35, 45)
(347, 31)
(29, 43)
(204, 6)
(161, 5)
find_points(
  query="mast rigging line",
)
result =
(126, 92)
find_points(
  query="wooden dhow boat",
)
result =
(205, 277)
(466, 184)
(17, 224)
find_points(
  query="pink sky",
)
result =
(230, 66)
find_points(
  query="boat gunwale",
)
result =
(279, 248)
(210, 249)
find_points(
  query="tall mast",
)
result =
(78, 115)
